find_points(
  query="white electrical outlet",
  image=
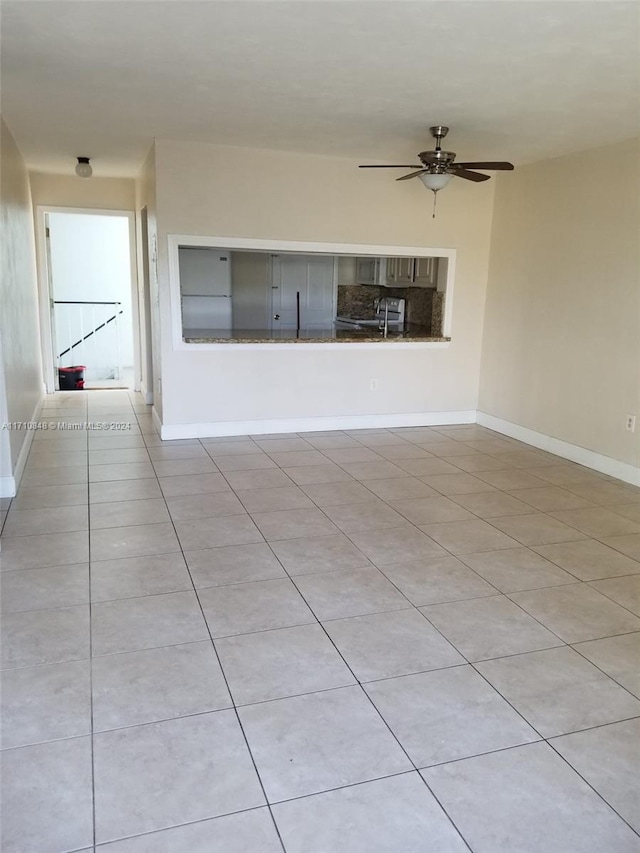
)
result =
(631, 423)
(373, 385)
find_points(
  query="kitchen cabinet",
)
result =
(368, 270)
(399, 271)
(425, 272)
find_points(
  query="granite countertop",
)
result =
(328, 335)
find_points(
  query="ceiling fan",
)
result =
(438, 166)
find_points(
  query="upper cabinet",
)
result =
(368, 270)
(425, 271)
(397, 272)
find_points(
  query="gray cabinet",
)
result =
(425, 272)
(368, 270)
(397, 272)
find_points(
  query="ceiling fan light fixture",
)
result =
(436, 181)
(83, 168)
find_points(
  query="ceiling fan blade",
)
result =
(469, 176)
(412, 175)
(389, 167)
(489, 165)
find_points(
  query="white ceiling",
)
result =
(513, 79)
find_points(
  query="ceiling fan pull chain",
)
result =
(435, 198)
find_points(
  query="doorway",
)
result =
(92, 315)
(303, 292)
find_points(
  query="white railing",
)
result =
(89, 333)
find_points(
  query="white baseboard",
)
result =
(155, 417)
(147, 396)
(260, 427)
(573, 452)
(9, 485)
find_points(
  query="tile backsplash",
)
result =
(424, 306)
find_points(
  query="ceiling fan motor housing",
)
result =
(437, 161)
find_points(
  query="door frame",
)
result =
(45, 284)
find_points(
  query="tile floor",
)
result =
(418, 640)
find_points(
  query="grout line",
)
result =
(292, 578)
(586, 781)
(228, 688)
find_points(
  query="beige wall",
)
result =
(72, 191)
(561, 349)
(21, 386)
(210, 190)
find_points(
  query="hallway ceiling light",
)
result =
(83, 168)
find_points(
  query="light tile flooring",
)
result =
(421, 640)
